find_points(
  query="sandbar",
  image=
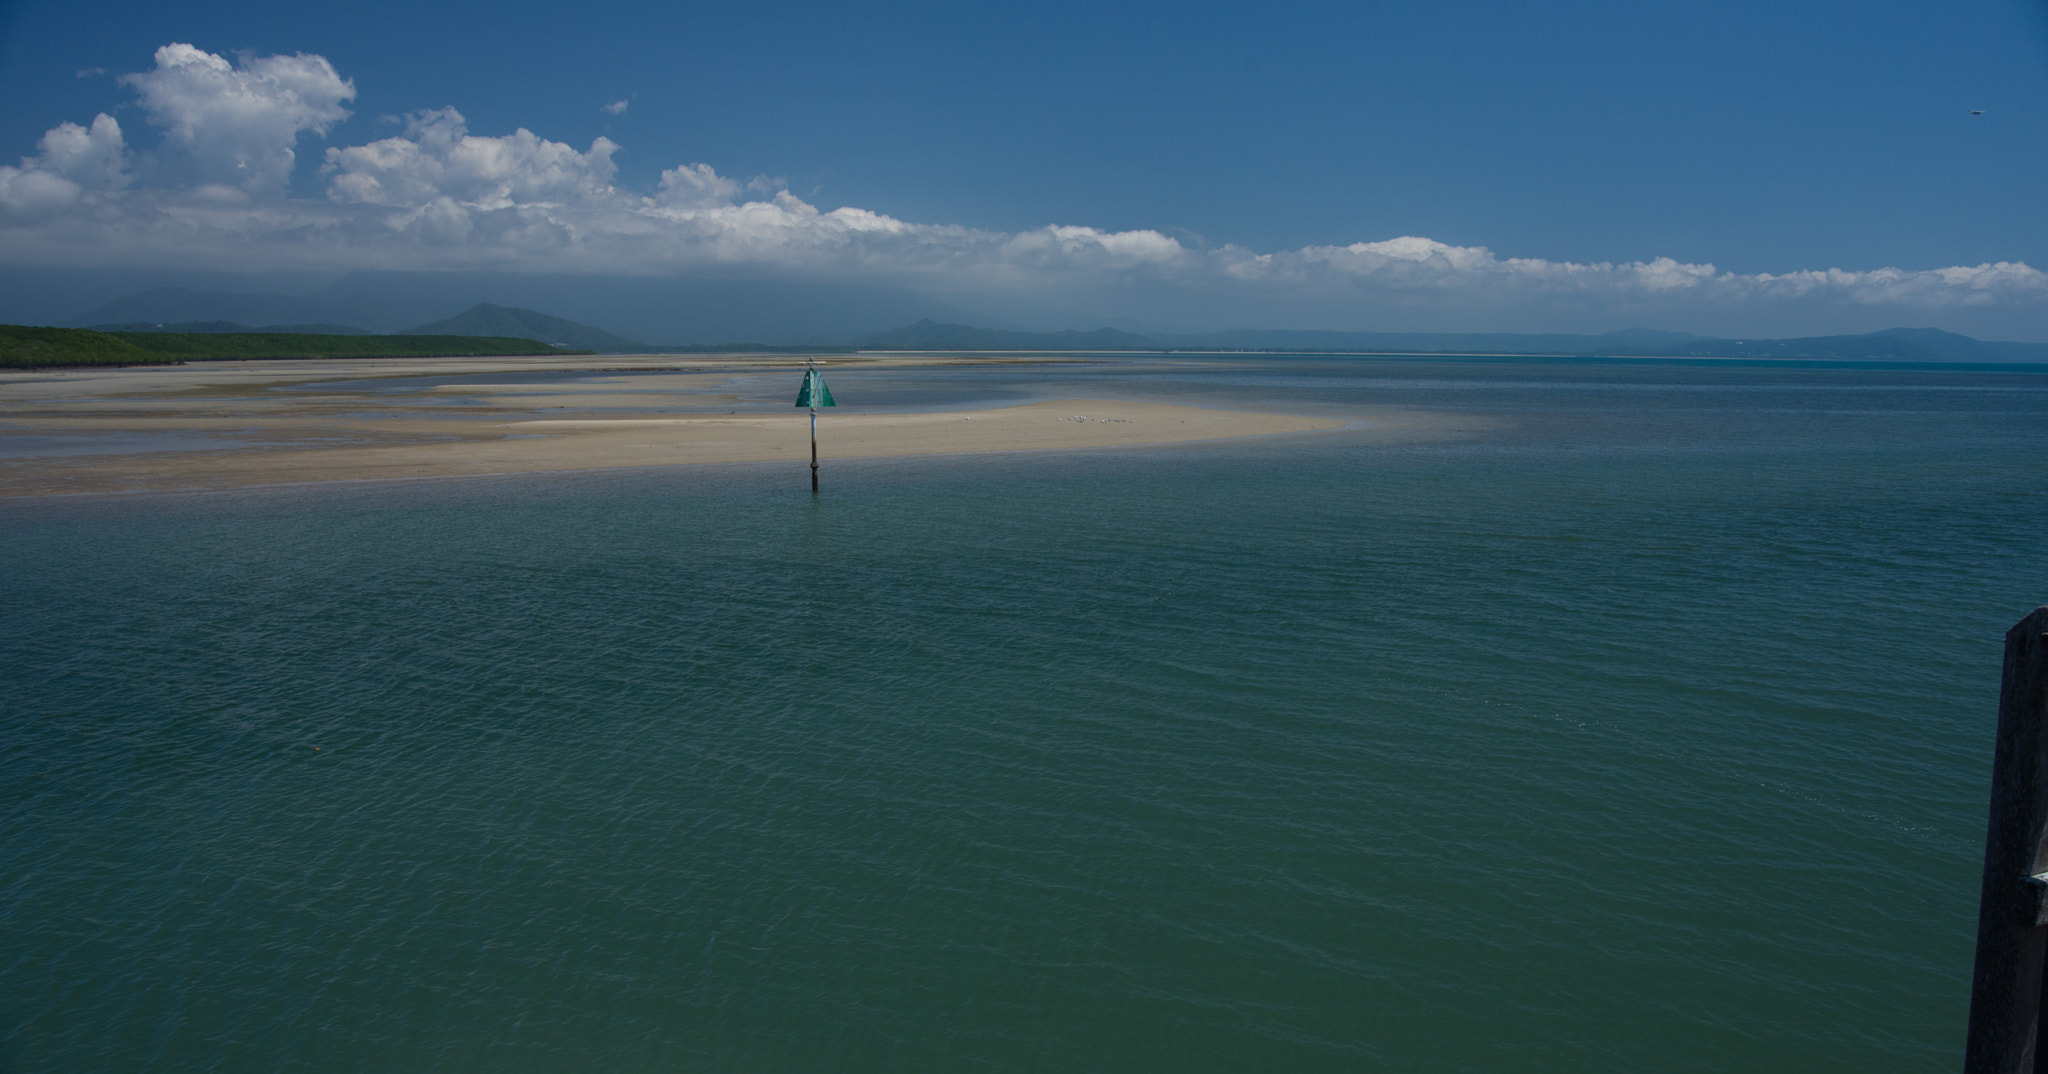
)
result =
(228, 425)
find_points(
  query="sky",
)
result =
(1583, 166)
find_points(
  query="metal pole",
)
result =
(814, 451)
(2012, 914)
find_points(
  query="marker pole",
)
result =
(814, 451)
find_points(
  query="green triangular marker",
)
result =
(814, 392)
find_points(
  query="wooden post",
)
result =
(2006, 992)
(814, 451)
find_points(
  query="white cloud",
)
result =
(74, 162)
(437, 157)
(617, 108)
(1060, 245)
(95, 158)
(1414, 264)
(238, 124)
(695, 184)
(436, 195)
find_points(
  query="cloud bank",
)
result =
(217, 193)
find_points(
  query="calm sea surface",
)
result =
(1647, 726)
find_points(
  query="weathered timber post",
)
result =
(2006, 992)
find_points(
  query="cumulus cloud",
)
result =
(75, 162)
(617, 108)
(238, 124)
(1066, 246)
(438, 195)
(437, 158)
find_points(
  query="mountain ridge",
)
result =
(491, 319)
(928, 334)
(348, 307)
(230, 327)
(1891, 344)
(184, 305)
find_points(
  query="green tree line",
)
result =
(24, 347)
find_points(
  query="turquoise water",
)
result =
(1646, 728)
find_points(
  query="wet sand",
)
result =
(225, 425)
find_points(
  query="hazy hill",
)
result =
(487, 319)
(220, 327)
(1890, 345)
(692, 311)
(1628, 340)
(352, 310)
(220, 346)
(661, 310)
(929, 335)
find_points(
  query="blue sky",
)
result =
(1760, 139)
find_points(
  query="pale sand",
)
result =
(257, 430)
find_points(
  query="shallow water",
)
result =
(36, 446)
(1647, 728)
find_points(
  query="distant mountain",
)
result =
(225, 327)
(1890, 345)
(694, 310)
(661, 310)
(182, 305)
(1645, 337)
(1628, 339)
(930, 335)
(486, 319)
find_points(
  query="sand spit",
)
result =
(225, 425)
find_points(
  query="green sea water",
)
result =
(1646, 725)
